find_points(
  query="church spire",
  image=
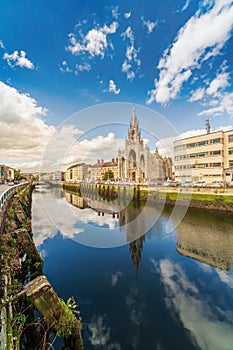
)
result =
(134, 132)
(134, 117)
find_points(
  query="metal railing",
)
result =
(10, 191)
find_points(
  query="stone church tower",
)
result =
(136, 162)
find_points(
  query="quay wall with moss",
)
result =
(204, 199)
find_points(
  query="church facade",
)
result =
(136, 162)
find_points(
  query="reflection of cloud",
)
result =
(88, 216)
(136, 306)
(115, 277)
(100, 334)
(210, 325)
(43, 227)
(225, 278)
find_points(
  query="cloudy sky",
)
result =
(60, 57)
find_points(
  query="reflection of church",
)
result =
(136, 162)
(135, 241)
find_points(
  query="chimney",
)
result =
(102, 161)
(98, 161)
(113, 160)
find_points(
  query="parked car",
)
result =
(187, 183)
(11, 183)
(199, 184)
(217, 184)
(170, 183)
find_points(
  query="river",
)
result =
(155, 291)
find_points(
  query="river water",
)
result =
(160, 291)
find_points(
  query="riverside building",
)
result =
(136, 162)
(207, 157)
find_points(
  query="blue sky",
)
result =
(60, 57)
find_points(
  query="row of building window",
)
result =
(198, 166)
(199, 155)
(202, 143)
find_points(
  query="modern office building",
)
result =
(207, 157)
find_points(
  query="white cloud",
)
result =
(65, 68)
(82, 67)
(222, 102)
(94, 42)
(23, 132)
(127, 15)
(126, 67)
(184, 55)
(18, 59)
(224, 105)
(197, 95)
(65, 148)
(149, 25)
(186, 5)
(220, 82)
(115, 13)
(112, 88)
(132, 61)
(130, 75)
(1, 44)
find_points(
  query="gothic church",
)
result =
(136, 162)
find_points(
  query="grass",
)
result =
(197, 196)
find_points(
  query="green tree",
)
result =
(108, 175)
(17, 175)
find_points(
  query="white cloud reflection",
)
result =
(100, 334)
(210, 325)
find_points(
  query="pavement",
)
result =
(3, 188)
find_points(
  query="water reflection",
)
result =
(155, 293)
(210, 324)
(203, 237)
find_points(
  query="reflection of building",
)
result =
(136, 162)
(75, 200)
(98, 170)
(207, 157)
(55, 176)
(6, 173)
(76, 172)
(135, 240)
(210, 243)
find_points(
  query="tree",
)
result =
(17, 175)
(108, 175)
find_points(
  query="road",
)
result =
(3, 188)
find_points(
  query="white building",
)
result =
(207, 157)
